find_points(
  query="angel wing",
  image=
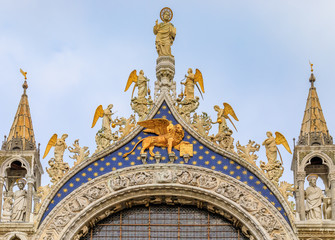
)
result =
(280, 139)
(51, 143)
(229, 110)
(99, 112)
(23, 73)
(157, 126)
(198, 79)
(132, 78)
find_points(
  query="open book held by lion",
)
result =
(169, 136)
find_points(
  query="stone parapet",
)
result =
(322, 229)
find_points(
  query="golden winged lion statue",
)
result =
(169, 136)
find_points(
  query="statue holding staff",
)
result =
(165, 33)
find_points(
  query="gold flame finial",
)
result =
(311, 66)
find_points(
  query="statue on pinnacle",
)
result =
(165, 33)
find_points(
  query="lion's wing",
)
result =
(157, 126)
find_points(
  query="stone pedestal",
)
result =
(144, 158)
(165, 69)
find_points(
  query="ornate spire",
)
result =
(314, 129)
(21, 134)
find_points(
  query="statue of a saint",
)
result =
(313, 196)
(165, 33)
(20, 203)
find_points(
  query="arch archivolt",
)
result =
(164, 184)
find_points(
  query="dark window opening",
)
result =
(160, 222)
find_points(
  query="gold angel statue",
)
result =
(60, 147)
(104, 136)
(274, 168)
(271, 145)
(223, 114)
(140, 82)
(193, 80)
(57, 166)
(165, 33)
(169, 136)
(106, 115)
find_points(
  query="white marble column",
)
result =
(1, 194)
(30, 183)
(332, 185)
(301, 199)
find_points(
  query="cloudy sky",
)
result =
(252, 54)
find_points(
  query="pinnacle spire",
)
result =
(21, 135)
(314, 129)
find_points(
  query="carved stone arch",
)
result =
(15, 236)
(205, 142)
(6, 164)
(326, 160)
(149, 184)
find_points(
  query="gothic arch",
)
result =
(167, 184)
(15, 236)
(326, 160)
(6, 164)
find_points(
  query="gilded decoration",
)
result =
(140, 104)
(58, 168)
(224, 136)
(169, 136)
(104, 136)
(111, 172)
(186, 101)
(274, 169)
(202, 156)
(165, 33)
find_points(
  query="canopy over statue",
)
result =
(165, 33)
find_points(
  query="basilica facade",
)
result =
(160, 174)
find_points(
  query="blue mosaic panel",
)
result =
(203, 157)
